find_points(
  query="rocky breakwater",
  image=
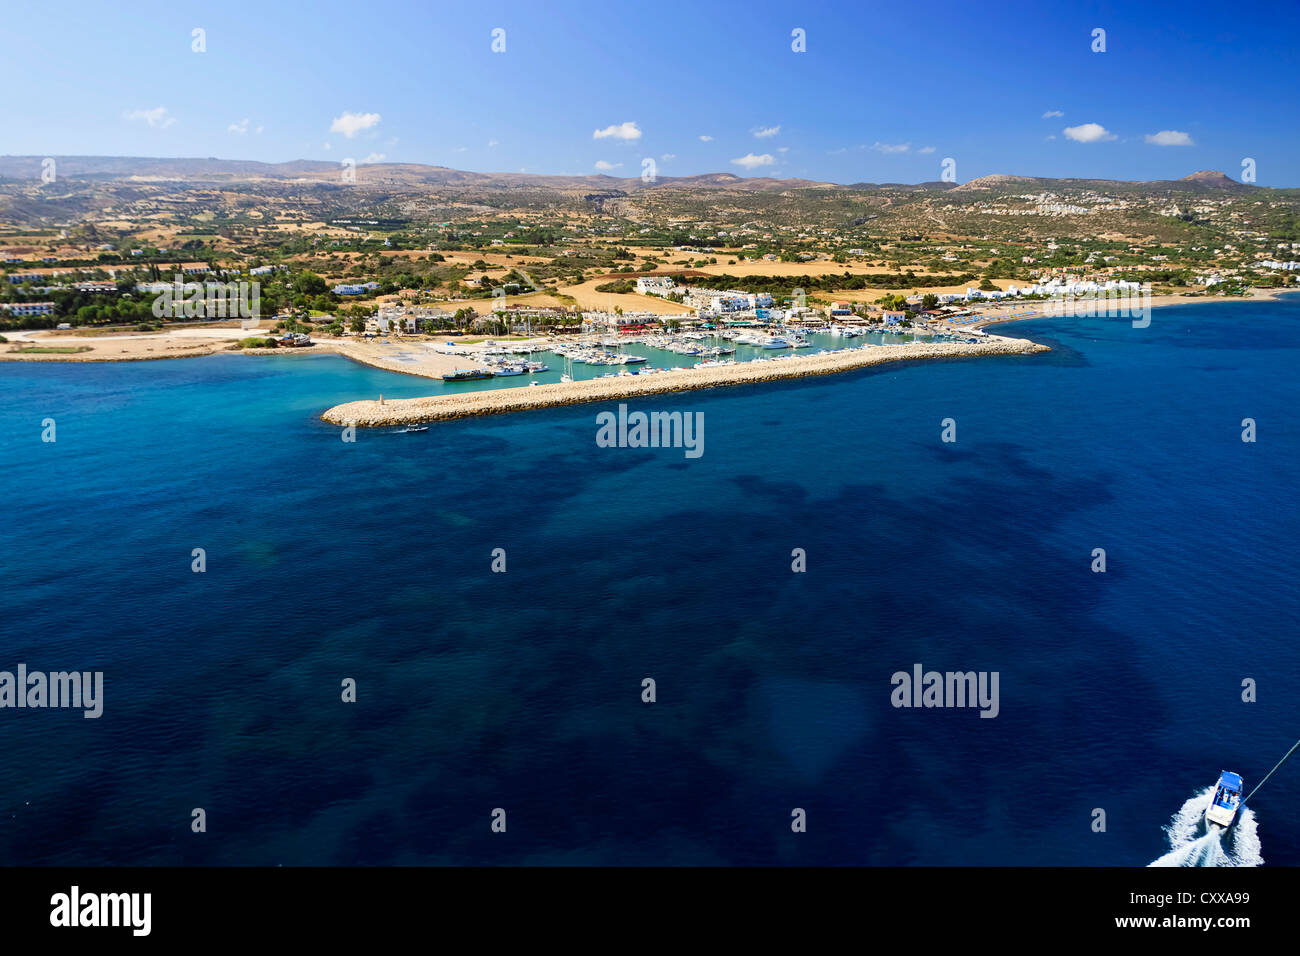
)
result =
(496, 401)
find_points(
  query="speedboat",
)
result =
(510, 370)
(411, 429)
(1226, 802)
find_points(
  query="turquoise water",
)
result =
(328, 560)
(656, 358)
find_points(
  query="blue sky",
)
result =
(883, 93)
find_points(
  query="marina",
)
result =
(603, 386)
(572, 359)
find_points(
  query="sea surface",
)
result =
(477, 690)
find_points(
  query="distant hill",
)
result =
(1196, 181)
(217, 171)
(1212, 178)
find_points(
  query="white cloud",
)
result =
(493, 142)
(626, 130)
(706, 139)
(326, 147)
(1088, 133)
(667, 157)
(926, 149)
(1052, 114)
(783, 149)
(374, 158)
(1169, 137)
(240, 128)
(602, 165)
(349, 124)
(750, 161)
(880, 147)
(764, 132)
(156, 117)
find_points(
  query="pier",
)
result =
(498, 401)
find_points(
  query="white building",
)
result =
(654, 285)
(28, 308)
(350, 289)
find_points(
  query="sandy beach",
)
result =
(120, 347)
(497, 401)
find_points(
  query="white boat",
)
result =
(775, 342)
(510, 370)
(1225, 802)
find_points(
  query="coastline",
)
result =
(415, 359)
(410, 411)
(993, 315)
(406, 358)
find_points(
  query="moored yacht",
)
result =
(468, 374)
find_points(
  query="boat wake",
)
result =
(1191, 845)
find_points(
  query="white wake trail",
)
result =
(1191, 845)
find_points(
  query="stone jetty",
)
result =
(409, 411)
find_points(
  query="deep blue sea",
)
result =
(1119, 691)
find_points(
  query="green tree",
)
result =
(308, 283)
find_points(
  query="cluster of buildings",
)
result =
(1051, 287)
(407, 318)
(710, 302)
